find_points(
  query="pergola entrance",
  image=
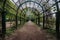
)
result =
(46, 13)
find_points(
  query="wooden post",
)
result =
(3, 21)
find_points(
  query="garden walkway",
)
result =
(29, 31)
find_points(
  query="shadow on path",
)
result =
(29, 31)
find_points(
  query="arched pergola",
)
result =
(24, 3)
(57, 16)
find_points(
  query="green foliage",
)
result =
(1, 2)
(9, 31)
(51, 31)
(8, 6)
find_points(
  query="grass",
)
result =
(11, 30)
(51, 31)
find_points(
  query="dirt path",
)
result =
(29, 31)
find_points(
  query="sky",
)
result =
(14, 0)
(51, 2)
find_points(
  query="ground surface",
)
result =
(29, 31)
(9, 24)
